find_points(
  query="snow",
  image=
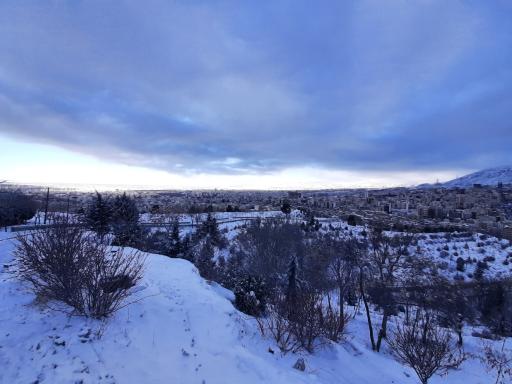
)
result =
(491, 176)
(180, 329)
(477, 247)
(219, 216)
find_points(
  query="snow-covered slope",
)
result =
(491, 176)
(444, 249)
(181, 330)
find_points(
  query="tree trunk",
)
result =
(46, 204)
(342, 310)
(367, 308)
(383, 330)
(459, 335)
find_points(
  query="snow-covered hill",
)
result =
(491, 176)
(444, 249)
(182, 330)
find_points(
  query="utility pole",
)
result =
(67, 210)
(46, 204)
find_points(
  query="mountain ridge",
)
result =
(488, 176)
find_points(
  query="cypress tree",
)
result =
(291, 290)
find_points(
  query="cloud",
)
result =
(252, 88)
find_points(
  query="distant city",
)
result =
(477, 207)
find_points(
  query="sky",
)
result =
(257, 95)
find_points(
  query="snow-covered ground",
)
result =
(193, 218)
(444, 249)
(182, 330)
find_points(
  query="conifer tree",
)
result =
(125, 220)
(209, 229)
(205, 262)
(292, 287)
(286, 208)
(176, 248)
(98, 215)
(186, 248)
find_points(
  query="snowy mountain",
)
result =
(491, 176)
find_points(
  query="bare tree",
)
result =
(386, 258)
(362, 292)
(267, 247)
(424, 346)
(344, 257)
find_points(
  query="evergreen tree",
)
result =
(125, 221)
(15, 208)
(312, 225)
(460, 264)
(209, 229)
(286, 208)
(221, 269)
(186, 248)
(481, 266)
(495, 308)
(232, 270)
(291, 289)
(157, 242)
(205, 262)
(201, 248)
(251, 295)
(98, 215)
(175, 247)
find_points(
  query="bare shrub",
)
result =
(498, 362)
(334, 321)
(424, 346)
(279, 327)
(67, 264)
(303, 323)
(306, 316)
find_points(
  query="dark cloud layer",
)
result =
(248, 87)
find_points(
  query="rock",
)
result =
(300, 364)
(85, 335)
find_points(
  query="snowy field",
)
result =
(180, 330)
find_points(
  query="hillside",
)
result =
(491, 176)
(181, 329)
